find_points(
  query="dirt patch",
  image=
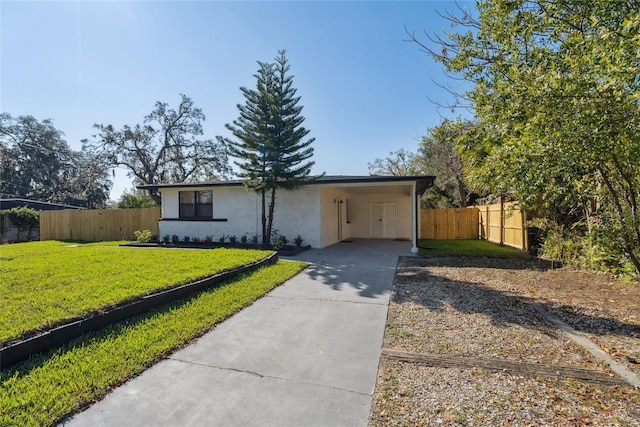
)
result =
(483, 308)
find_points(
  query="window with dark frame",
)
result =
(196, 204)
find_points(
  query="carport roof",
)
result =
(422, 181)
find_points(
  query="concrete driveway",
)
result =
(304, 355)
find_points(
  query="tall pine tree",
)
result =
(271, 149)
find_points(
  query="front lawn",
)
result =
(46, 283)
(48, 388)
(442, 248)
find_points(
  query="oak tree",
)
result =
(37, 163)
(397, 163)
(166, 148)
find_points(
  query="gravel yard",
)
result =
(481, 354)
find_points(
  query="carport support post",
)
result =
(416, 205)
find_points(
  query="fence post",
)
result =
(501, 220)
(487, 223)
(525, 232)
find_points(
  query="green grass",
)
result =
(442, 248)
(50, 387)
(45, 283)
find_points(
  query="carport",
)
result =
(371, 207)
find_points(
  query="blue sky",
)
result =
(365, 90)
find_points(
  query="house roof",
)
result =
(34, 204)
(423, 181)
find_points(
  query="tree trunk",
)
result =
(263, 194)
(272, 205)
(462, 193)
(155, 195)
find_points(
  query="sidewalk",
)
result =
(305, 354)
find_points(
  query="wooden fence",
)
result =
(97, 225)
(449, 224)
(505, 224)
(501, 223)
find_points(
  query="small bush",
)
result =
(254, 239)
(186, 239)
(281, 242)
(25, 219)
(298, 241)
(243, 239)
(222, 238)
(175, 238)
(166, 238)
(208, 239)
(142, 236)
(233, 239)
(586, 244)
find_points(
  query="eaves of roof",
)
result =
(422, 180)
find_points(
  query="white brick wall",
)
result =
(309, 211)
(297, 212)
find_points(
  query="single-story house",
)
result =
(323, 212)
(34, 204)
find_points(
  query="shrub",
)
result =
(175, 238)
(254, 239)
(186, 239)
(25, 219)
(606, 233)
(128, 201)
(208, 239)
(243, 239)
(142, 236)
(281, 242)
(166, 238)
(298, 241)
(222, 238)
(233, 239)
(587, 244)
